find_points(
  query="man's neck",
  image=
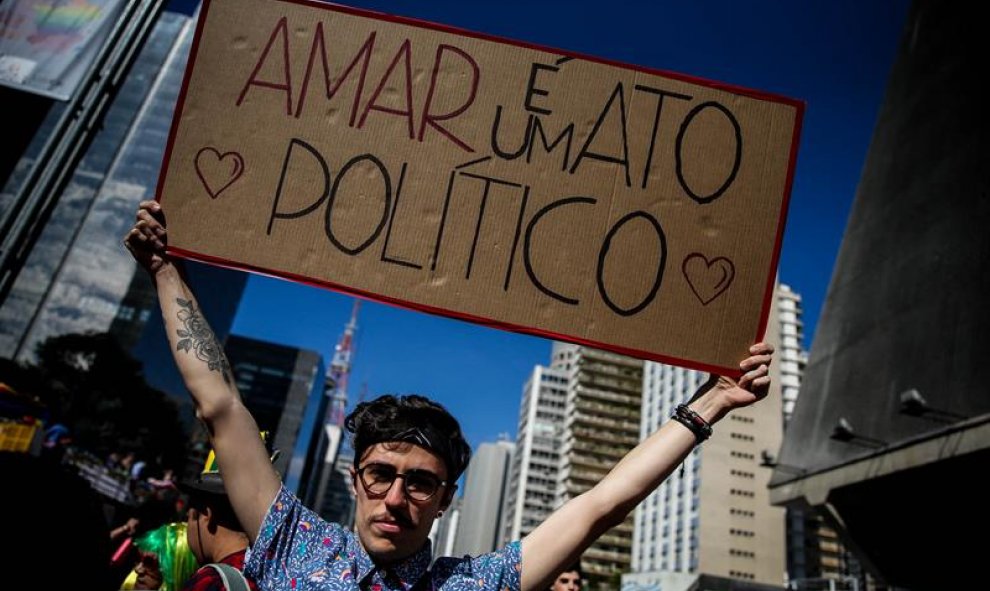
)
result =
(225, 543)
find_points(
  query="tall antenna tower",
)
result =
(330, 494)
(340, 370)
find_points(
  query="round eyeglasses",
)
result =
(419, 485)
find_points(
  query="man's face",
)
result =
(149, 573)
(391, 525)
(567, 581)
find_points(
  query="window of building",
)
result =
(740, 492)
(744, 533)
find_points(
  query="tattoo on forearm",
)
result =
(196, 336)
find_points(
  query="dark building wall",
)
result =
(277, 384)
(907, 304)
(906, 310)
(306, 461)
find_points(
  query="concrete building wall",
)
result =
(444, 531)
(905, 315)
(791, 356)
(602, 424)
(713, 516)
(533, 477)
(484, 495)
(742, 534)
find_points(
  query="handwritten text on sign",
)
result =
(481, 179)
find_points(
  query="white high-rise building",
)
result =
(444, 530)
(478, 528)
(713, 516)
(578, 417)
(533, 477)
(791, 354)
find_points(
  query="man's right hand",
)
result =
(147, 239)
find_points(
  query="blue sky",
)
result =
(835, 55)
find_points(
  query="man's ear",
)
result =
(353, 474)
(211, 524)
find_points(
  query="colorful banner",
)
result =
(47, 45)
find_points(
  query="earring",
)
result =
(439, 514)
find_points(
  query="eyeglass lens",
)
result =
(420, 485)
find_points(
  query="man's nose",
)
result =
(396, 495)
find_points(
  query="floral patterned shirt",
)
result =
(297, 550)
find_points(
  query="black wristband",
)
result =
(693, 421)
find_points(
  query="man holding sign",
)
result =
(409, 452)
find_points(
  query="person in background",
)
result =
(128, 528)
(569, 580)
(215, 535)
(166, 559)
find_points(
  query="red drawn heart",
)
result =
(218, 171)
(708, 280)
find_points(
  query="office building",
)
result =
(79, 278)
(532, 485)
(791, 355)
(283, 388)
(444, 530)
(713, 515)
(484, 496)
(815, 554)
(578, 417)
(601, 425)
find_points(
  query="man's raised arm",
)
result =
(559, 540)
(249, 478)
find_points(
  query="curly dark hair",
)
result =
(411, 419)
(219, 506)
(574, 568)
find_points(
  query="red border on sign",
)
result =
(774, 259)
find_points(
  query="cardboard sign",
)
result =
(494, 181)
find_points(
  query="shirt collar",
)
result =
(411, 570)
(406, 573)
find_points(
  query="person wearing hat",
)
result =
(409, 453)
(215, 535)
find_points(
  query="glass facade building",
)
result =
(79, 278)
(283, 388)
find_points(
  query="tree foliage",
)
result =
(93, 386)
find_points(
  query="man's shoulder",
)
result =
(235, 560)
(205, 579)
(208, 578)
(502, 562)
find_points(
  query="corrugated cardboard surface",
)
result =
(651, 227)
